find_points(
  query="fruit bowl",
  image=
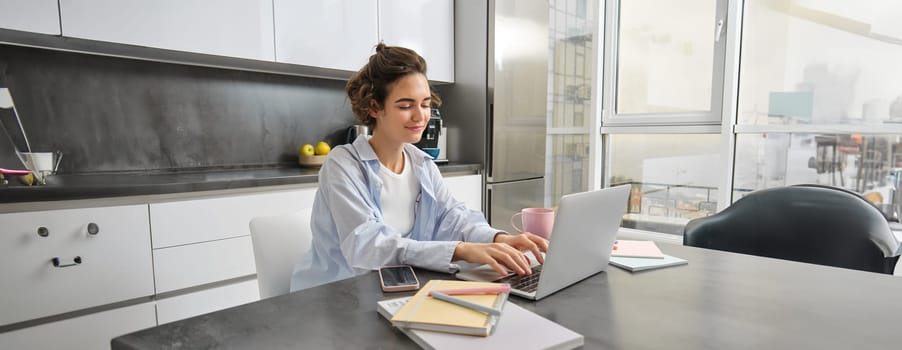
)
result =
(311, 161)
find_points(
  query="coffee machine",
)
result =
(434, 136)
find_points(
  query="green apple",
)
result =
(307, 150)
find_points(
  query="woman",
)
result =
(381, 200)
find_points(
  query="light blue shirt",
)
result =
(350, 236)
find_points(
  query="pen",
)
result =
(479, 290)
(457, 301)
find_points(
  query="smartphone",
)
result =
(398, 278)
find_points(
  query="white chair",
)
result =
(279, 241)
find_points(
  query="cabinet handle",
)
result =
(43, 231)
(56, 262)
(93, 229)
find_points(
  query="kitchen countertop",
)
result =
(69, 187)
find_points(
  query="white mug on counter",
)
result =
(42, 164)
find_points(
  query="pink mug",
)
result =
(538, 221)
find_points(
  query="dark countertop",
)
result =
(719, 300)
(68, 187)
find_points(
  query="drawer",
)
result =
(201, 220)
(115, 263)
(206, 301)
(92, 331)
(194, 264)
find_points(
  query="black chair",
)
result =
(888, 217)
(813, 224)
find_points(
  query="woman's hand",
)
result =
(496, 255)
(525, 241)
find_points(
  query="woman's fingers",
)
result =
(541, 242)
(497, 267)
(496, 255)
(528, 241)
(537, 246)
(512, 258)
(537, 253)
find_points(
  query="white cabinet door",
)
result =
(92, 331)
(201, 220)
(195, 264)
(337, 34)
(427, 27)
(52, 263)
(467, 189)
(235, 28)
(38, 16)
(206, 301)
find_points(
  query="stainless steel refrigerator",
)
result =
(518, 49)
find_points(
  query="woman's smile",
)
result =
(416, 128)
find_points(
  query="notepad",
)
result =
(428, 313)
(517, 328)
(642, 264)
(636, 249)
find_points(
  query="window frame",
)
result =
(726, 124)
(610, 116)
(720, 119)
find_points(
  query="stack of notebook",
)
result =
(434, 323)
(641, 255)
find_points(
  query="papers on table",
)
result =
(636, 249)
(642, 264)
(636, 256)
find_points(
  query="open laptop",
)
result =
(585, 227)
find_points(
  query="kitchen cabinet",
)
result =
(342, 34)
(92, 331)
(201, 260)
(336, 34)
(427, 27)
(242, 29)
(37, 16)
(467, 189)
(197, 264)
(206, 301)
(202, 246)
(58, 261)
(208, 218)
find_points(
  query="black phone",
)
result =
(398, 278)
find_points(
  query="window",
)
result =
(818, 98)
(867, 164)
(666, 61)
(670, 185)
(821, 63)
(665, 56)
(664, 77)
(693, 123)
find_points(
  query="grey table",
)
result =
(719, 301)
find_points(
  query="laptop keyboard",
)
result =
(527, 283)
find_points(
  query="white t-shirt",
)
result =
(399, 196)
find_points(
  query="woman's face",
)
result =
(406, 110)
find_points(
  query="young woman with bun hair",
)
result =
(381, 201)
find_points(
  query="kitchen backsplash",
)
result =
(111, 114)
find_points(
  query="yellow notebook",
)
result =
(427, 313)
